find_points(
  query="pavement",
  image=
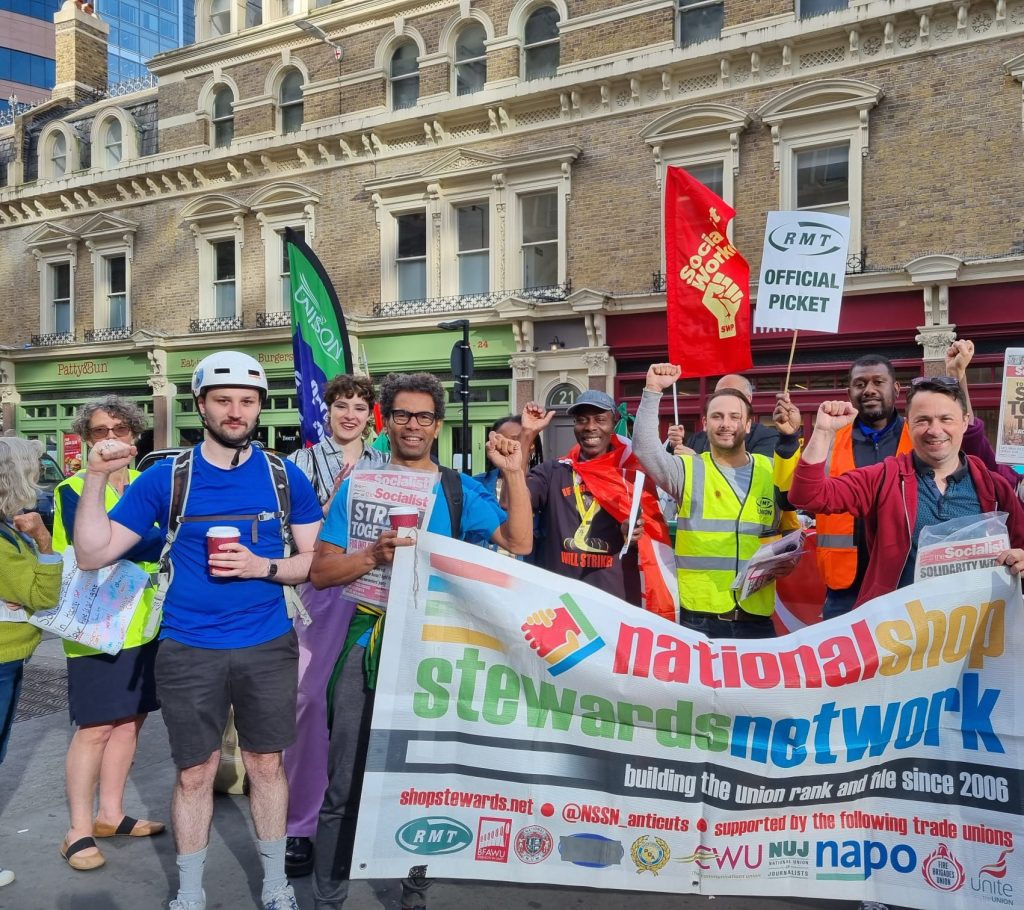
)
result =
(140, 873)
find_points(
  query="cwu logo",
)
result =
(433, 836)
(563, 635)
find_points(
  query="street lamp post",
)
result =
(462, 369)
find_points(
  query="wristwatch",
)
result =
(271, 569)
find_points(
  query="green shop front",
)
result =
(51, 391)
(490, 388)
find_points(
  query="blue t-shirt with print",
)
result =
(481, 514)
(200, 610)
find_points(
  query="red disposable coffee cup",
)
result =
(403, 517)
(216, 537)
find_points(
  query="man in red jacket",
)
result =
(902, 495)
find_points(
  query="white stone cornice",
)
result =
(934, 269)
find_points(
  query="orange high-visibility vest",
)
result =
(837, 551)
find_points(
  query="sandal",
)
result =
(127, 827)
(81, 863)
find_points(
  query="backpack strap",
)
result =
(283, 491)
(451, 484)
(181, 483)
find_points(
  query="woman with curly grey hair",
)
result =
(109, 696)
(30, 575)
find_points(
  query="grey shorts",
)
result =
(196, 686)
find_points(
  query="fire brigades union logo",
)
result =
(649, 854)
(534, 844)
(942, 870)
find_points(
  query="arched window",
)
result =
(470, 60)
(540, 44)
(59, 156)
(223, 117)
(290, 102)
(220, 17)
(405, 76)
(113, 144)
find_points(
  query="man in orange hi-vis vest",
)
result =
(877, 433)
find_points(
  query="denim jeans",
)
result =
(10, 689)
(839, 603)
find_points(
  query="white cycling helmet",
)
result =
(229, 368)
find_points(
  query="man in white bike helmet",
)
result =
(226, 637)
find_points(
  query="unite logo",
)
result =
(563, 635)
(493, 836)
(991, 880)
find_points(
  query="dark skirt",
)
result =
(103, 688)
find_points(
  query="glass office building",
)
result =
(139, 29)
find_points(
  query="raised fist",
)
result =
(723, 297)
(660, 376)
(834, 415)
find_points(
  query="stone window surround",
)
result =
(46, 140)
(210, 219)
(825, 112)
(386, 49)
(49, 245)
(129, 137)
(272, 86)
(107, 236)
(204, 111)
(460, 178)
(450, 34)
(276, 207)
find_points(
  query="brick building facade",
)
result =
(504, 161)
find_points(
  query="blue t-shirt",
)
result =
(481, 514)
(200, 610)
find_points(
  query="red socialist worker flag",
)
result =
(708, 283)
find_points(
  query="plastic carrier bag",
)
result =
(961, 545)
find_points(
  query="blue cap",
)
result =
(592, 398)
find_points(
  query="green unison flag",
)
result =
(320, 344)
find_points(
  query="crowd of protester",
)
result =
(219, 630)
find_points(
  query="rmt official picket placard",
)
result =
(802, 270)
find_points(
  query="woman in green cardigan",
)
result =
(30, 575)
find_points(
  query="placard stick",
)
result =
(675, 404)
(789, 366)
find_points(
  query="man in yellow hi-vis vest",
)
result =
(727, 506)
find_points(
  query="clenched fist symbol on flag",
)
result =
(723, 297)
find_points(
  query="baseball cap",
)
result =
(592, 398)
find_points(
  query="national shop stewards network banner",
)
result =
(531, 728)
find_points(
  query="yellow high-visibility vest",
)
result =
(716, 534)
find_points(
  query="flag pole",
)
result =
(675, 405)
(789, 366)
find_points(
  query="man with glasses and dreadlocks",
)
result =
(413, 409)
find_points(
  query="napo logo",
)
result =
(433, 835)
(806, 238)
(942, 870)
(534, 844)
(649, 854)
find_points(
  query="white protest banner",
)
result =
(1010, 443)
(803, 267)
(371, 496)
(96, 606)
(531, 728)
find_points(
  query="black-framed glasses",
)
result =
(120, 431)
(947, 382)
(423, 418)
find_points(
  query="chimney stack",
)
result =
(81, 38)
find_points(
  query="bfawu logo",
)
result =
(854, 860)
(942, 870)
(433, 835)
(493, 836)
(563, 636)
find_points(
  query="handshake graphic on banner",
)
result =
(723, 296)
